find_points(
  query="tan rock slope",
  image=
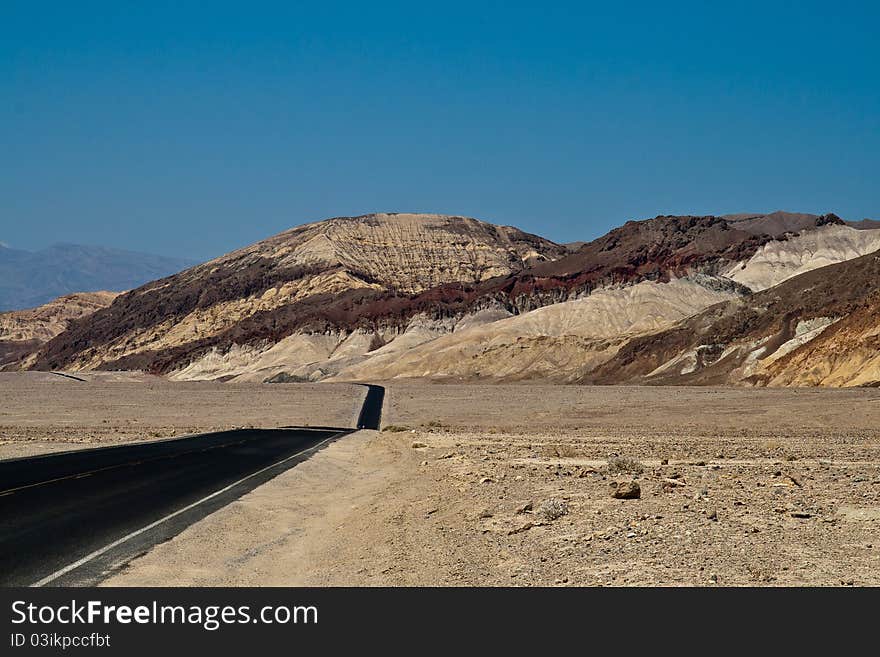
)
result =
(846, 353)
(23, 331)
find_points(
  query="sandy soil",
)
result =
(511, 485)
(42, 412)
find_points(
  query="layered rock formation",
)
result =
(321, 278)
(819, 328)
(384, 296)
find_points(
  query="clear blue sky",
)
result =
(193, 128)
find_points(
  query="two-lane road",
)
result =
(68, 519)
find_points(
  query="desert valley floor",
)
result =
(503, 484)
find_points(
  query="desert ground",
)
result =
(42, 412)
(509, 484)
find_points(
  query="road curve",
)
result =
(72, 518)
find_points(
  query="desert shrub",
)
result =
(624, 465)
(395, 428)
(553, 508)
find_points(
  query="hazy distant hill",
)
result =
(29, 279)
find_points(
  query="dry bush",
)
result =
(553, 508)
(624, 465)
(395, 428)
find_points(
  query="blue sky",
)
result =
(191, 129)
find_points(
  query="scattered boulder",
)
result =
(626, 490)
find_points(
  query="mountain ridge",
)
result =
(440, 296)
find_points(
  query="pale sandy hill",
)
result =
(555, 341)
(778, 261)
(23, 331)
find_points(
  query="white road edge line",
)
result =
(106, 548)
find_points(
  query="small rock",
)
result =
(712, 515)
(484, 514)
(801, 514)
(519, 530)
(487, 480)
(525, 508)
(627, 490)
(418, 445)
(713, 578)
(664, 461)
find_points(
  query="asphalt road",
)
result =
(72, 518)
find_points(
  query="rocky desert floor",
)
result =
(515, 486)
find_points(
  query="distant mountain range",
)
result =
(33, 278)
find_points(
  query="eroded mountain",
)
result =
(384, 296)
